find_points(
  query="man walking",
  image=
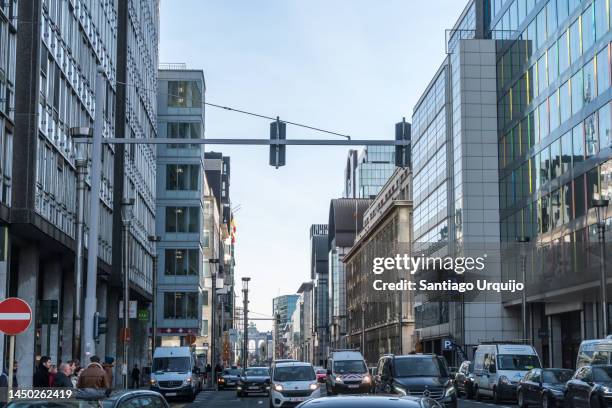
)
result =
(93, 376)
(41, 376)
(135, 377)
(62, 378)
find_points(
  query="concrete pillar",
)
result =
(67, 314)
(556, 359)
(51, 287)
(4, 251)
(26, 290)
(112, 334)
(102, 296)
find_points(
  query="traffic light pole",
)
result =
(255, 142)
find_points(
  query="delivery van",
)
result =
(594, 352)
(175, 373)
(499, 367)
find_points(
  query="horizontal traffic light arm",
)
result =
(260, 142)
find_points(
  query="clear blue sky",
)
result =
(353, 66)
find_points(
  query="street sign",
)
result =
(143, 315)
(133, 309)
(447, 344)
(15, 316)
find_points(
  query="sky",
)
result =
(351, 66)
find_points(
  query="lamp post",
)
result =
(81, 169)
(245, 299)
(213, 342)
(523, 241)
(154, 239)
(601, 208)
(126, 215)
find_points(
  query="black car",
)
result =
(417, 375)
(254, 380)
(464, 379)
(370, 402)
(229, 378)
(543, 386)
(591, 387)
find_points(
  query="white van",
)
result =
(499, 367)
(594, 352)
(175, 372)
(347, 373)
(292, 384)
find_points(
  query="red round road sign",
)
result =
(15, 316)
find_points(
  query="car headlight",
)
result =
(153, 381)
(366, 379)
(313, 386)
(504, 380)
(338, 379)
(278, 387)
(221, 380)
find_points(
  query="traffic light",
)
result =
(278, 131)
(99, 326)
(278, 320)
(402, 153)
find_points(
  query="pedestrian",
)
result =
(208, 370)
(75, 367)
(41, 376)
(93, 376)
(135, 376)
(62, 378)
(109, 365)
(52, 374)
(4, 384)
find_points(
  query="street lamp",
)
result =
(81, 168)
(245, 299)
(213, 343)
(126, 216)
(154, 239)
(523, 241)
(601, 209)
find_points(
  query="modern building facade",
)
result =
(185, 208)
(555, 157)
(381, 322)
(319, 273)
(283, 308)
(367, 171)
(51, 89)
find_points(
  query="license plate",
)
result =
(230, 383)
(296, 399)
(171, 394)
(253, 388)
(353, 386)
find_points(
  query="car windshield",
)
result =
(294, 373)
(231, 371)
(257, 372)
(602, 374)
(349, 366)
(171, 364)
(419, 367)
(556, 376)
(517, 362)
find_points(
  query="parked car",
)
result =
(321, 374)
(543, 386)
(254, 380)
(420, 375)
(464, 379)
(499, 367)
(117, 399)
(175, 373)
(590, 387)
(229, 378)
(292, 384)
(347, 373)
(363, 401)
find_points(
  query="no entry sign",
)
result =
(15, 316)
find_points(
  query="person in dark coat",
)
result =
(135, 376)
(41, 376)
(62, 378)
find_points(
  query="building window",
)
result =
(184, 94)
(184, 130)
(204, 327)
(575, 49)
(601, 18)
(206, 238)
(603, 71)
(182, 262)
(588, 28)
(590, 87)
(182, 177)
(205, 298)
(563, 53)
(180, 305)
(182, 219)
(590, 136)
(577, 92)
